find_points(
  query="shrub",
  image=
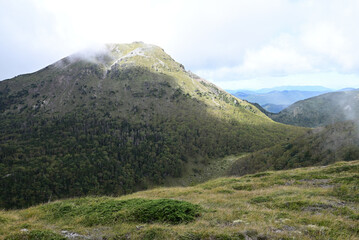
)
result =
(243, 187)
(165, 210)
(3, 219)
(346, 192)
(95, 211)
(261, 199)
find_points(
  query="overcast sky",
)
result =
(239, 44)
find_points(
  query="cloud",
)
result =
(319, 48)
(226, 40)
(321, 39)
(331, 47)
(279, 58)
(316, 48)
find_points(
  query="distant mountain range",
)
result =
(276, 99)
(321, 110)
(283, 88)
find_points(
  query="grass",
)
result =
(304, 203)
(198, 172)
(105, 211)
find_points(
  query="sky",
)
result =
(236, 44)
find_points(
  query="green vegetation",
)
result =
(304, 203)
(321, 110)
(321, 146)
(108, 211)
(116, 123)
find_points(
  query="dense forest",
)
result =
(320, 146)
(86, 153)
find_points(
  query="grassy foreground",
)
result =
(306, 203)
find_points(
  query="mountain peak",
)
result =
(114, 56)
(118, 117)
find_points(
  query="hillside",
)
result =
(320, 146)
(273, 108)
(117, 120)
(276, 101)
(308, 203)
(321, 110)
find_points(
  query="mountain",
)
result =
(295, 88)
(276, 101)
(273, 108)
(347, 89)
(319, 146)
(305, 203)
(321, 110)
(117, 120)
(283, 88)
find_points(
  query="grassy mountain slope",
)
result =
(308, 203)
(321, 110)
(117, 120)
(320, 146)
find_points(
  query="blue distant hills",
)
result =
(278, 98)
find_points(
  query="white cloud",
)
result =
(274, 59)
(332, 80)
(317, 48)
(226, 40)
(332, 47)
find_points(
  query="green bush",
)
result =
(347, 193)
(293, 205)
(354, 217)
(261, 199)
(3, 220)
(97, 211)
(257, 175)
(164, 210)
(243, 187)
